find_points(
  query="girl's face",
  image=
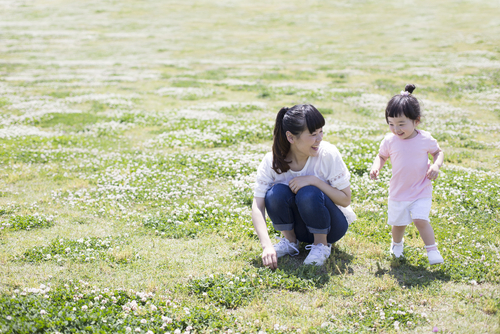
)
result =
(307, 143)
(403, 127)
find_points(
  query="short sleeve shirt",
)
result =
(410, 162)
(328, 166)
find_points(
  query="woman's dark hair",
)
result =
(295, 119)
(404, 104)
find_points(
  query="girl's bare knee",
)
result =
(420, 223)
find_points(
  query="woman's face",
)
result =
(307, 143)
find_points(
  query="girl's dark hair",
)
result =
(295, 119)
(404, 104)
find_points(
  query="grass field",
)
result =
(130, 133)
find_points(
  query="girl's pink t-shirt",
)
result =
(410, 162)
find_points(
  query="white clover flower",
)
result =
(166, 320)
(85, 308)
(42, 312)
(143, 321)
(133, 305)
(396, 325)
(137, 329)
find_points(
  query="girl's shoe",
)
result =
(433, 255)
(397, 248)
(285, 247)
(318, 254)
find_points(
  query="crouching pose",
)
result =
(304, 186)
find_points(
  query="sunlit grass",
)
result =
(130, 134)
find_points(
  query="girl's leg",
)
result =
(398, 213)
(426, 231)
(427, 234)
(397, 240)
(397, 233)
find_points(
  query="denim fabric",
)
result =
(308, 212)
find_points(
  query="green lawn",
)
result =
(130, 134)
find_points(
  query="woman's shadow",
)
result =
(336, 264)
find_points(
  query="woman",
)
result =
(304, 186)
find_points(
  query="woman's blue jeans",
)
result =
(308, 212)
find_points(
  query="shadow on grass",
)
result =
(411, 275)
(337, 264)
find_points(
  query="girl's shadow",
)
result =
(408, 274)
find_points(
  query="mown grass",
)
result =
(128, 149)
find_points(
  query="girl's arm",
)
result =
(433, 171)
(339, 197)
(377, 166)
(269, 257)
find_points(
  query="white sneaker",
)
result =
(318, 254)
(434, 257)
(397, 248)
(285, 247)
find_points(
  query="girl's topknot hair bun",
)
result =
(410, 88)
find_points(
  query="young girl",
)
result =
(410, 189)
(304, 186)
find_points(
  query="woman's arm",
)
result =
(269, 257)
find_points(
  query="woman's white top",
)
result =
(327, 166)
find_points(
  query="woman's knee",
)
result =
(309, 198)
(278, 195)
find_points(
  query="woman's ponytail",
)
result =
(281, 145)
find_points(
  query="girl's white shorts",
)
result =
(403, 213)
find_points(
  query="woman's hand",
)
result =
(269, 257)
(301, 181)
